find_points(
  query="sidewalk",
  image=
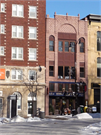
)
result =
(60, 117)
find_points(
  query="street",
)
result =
(46, 126)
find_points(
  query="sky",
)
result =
(73, 7)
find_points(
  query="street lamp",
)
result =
(76, 93)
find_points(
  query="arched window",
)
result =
(51, 43)
(98, 40)
(82, 45)
(19, 98)
(99, 67)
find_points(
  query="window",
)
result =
(19, 97)
(99, 67)
(51, 87)
(51, 70)
(16, 74)
(73, 72)
(72, 45)
(32, 54)
(32, 75)
(32, 32)
(66, 47)
(66, 72)
(51, 43)
(82, 72)
(32, 12)
(1, 50)
(1, 103)
(60, 46)
(72, 87)
(60, 86)
(17, 53)
(82, 45)
(60, 72)
(2, 7)
(2, 28)
(17, 31)
(17, 10)
(98, 40)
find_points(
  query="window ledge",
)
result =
(32, 18)
(2, 55)
(2, 12)
(16, 38)
(3, 33)
(32, 39)
(32, 60)
(18, 16)
(18, 59)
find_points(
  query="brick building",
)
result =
(22, 51)
(63, 34)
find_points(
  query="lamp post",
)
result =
(76, 94)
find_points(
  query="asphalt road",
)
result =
(55, 127)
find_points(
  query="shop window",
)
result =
(98, 40)
(51, 87)
(60, 86)
(60, 72)
(60, 47)
(66, 46)
(51, 70)
(66, 87)
(99, 67)
(82, 72)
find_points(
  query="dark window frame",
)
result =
(82, 45)
(51, 72)
(82, 74)
(60, 84)
(98, 40)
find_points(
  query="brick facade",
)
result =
(6, 40)
(73, 28)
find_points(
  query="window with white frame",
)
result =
(17, 31)
(17, 53)
(17, 10)
(32, 11)
(2, 7)
(16, 74)
(2, 28)
(32, 75)
(1, 50)
(32, 32)
(32, 54)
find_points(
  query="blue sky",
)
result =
(73, 7)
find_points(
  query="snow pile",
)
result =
(18, 119)
(93, 129)
(83, 116)
(4, 120)
(64, 116)
(30, 119)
